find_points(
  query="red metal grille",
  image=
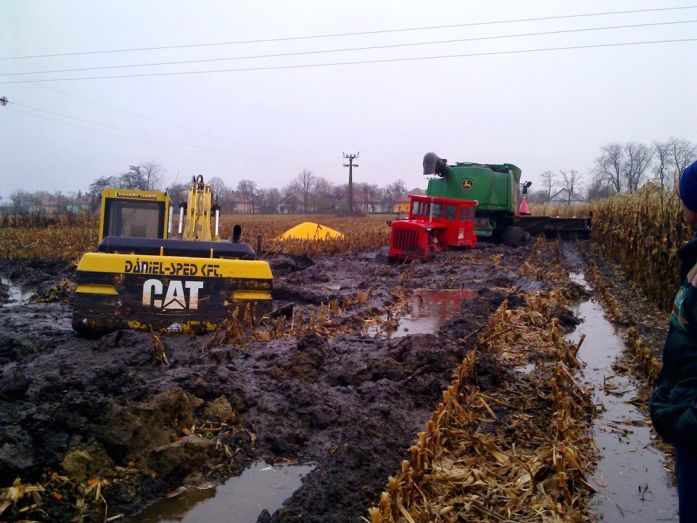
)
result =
(406, 240)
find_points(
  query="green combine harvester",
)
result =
(497, 191)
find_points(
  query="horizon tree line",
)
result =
(618, 168)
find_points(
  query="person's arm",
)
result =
(688, 307)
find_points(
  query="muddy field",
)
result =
(104, 424)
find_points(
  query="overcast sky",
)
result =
(545, 110)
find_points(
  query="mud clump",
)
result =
(129, 430)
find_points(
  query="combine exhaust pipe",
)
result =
(433, 164)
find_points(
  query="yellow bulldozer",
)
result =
(143, 276)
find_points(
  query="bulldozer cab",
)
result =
(129, 213)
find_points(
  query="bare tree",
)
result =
(219, 189)
(683, 153)
(371, 194)
(662, 166)
(269, 200)
(178, 193)
(549, 181)
(570, 183)
(152, 172)
(249, 189)
(134, 178)
(96, 188)
(393, 193)
(609, 165)
(322, 199)
(637, 159)
(599, 189)
(304, 184)
(22, 201)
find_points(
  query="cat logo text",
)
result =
(179, 295)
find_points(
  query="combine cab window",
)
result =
(133, 219)
(450, 212)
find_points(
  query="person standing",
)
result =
(674, 401)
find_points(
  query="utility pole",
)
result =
(350, 157)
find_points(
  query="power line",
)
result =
(87, 128)
(175, 126)
(192, 147)
(365, 48)
(37, 83)
(130, 131)
(359, 62)
(356, 33)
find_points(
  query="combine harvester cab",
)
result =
(140, 278)
(433, 225)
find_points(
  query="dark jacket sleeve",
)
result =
(674, 411)
(689, 311)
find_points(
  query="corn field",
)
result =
(642, 232)
(361, 234)
(68, 239)
(561, 210)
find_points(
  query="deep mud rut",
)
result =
(75, 412)
(89, 410)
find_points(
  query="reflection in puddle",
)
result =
(429, 310)
(631, 481)
(240, 499)
(15, 295)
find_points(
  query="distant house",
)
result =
(81, 204)
(48, 205)
(402, 205)
(367, 202)
(291, 203)
(563, 197)
(238, 203)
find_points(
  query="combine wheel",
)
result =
(514, 236)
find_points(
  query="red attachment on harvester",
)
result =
(434, 224)
(524, 209)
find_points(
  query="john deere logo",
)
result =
(467, 183)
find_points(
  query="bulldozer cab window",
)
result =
(134, 219)
(450, 212)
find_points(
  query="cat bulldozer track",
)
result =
(141, 278)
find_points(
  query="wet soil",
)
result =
(74, 411)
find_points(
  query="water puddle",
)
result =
(15, 294)
(240, 499)
(632, 484)
(429, 309)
